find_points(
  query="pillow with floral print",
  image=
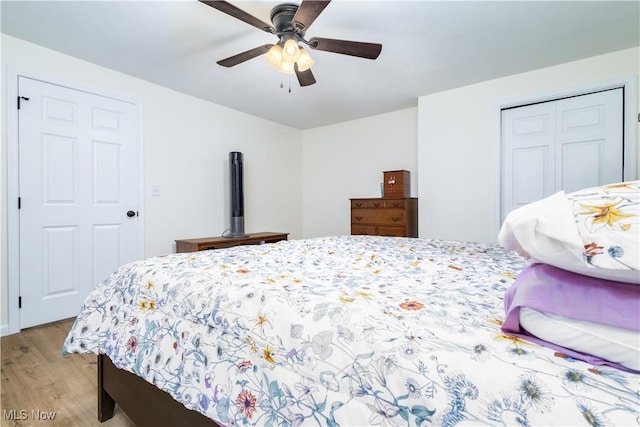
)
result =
(595, 231)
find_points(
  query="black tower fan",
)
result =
(237, 195)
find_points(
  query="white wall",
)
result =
(190, 164)
(186, 142)
(459, 142)
(346, 160)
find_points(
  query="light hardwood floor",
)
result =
(38, 382)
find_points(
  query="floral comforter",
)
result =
(344, 330)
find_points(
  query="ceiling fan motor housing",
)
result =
(281, 17)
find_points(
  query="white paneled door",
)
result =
(79, 179)
(567, 144)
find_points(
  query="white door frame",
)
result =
(630, 94)
(13, 190)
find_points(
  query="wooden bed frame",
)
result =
(144, 404)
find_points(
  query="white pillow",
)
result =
(595, 232)
(607, 342)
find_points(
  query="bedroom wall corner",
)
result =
(459, 142)
(347, 159)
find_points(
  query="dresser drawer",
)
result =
(370, 230)
(378, 203)
(378, 216)
(397, 204)
(392, 231)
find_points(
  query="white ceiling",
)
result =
(428, 46)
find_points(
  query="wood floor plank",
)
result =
(40, 387)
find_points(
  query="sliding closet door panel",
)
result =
(589, 140)
(529, 145)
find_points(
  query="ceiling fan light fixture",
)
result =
(304, 61)
(287, 67)
(274, 55)
(290, 51)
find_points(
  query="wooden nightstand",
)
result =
(194, 245)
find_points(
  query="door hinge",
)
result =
(20, 99)
(19, 202)
(19, 302)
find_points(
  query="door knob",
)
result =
(131, 214)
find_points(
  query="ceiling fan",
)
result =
(290, 23)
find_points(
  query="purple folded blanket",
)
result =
(545, 288)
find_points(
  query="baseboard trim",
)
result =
(4, 330)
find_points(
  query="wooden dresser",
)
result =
(385, 217)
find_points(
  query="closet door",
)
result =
(565, 144)
(589, 140)
(528, 154)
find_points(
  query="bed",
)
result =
(337, 331)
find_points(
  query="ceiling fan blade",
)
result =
(307, 12)
(240, 14)
(346, 47)
(245, 56)
(305, 78)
